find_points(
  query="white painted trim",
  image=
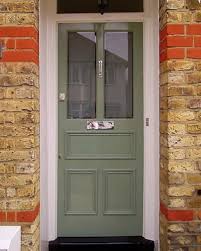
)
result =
(151, 110)
(49, 105)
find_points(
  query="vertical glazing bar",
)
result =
(100, 71)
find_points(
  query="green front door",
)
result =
(100, 171)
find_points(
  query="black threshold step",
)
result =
(101, 244)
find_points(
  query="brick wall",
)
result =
(19, 119)
(180, 125)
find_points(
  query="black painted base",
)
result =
(101, 244)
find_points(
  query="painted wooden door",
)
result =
(100, 170)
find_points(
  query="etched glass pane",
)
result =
(81, 75)
(118, 74)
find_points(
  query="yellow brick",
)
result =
(12, 180)
(194, 77)
(163, 78)
(192, 5)
(177, 154)
(14, 105)
(9, 143)
(2, 168)
(9, 117)
(2, 192)
(24, 143)
(163, 67)
(7, 80)
(176, 228)
(194, 128)
(16, 155)
(194, 178)
(20, 19)
(194, 202)
(27, 204)
(176, 78)
(181, 141)
(198, 140)
(27, 6)
(194, 153)
(181, 91)
(180, 65)
(178, 17)
(11, 204)
(180, 191)
(11, 192)
(30, 228)
(10, 93)
(182, 240)
(25, 117)
(172, 4)
(176, 128)
(26, 191)
(163, 103)
(24, 92)
(176, 179)
(2, 93)
(27, 167)
(181, 116)
(20, 130)
(7, 68)
(30, 69)
(194, 103)
(177, 103)
(181, 166)
(177, 203)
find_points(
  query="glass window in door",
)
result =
(118, 74)
(81, 75)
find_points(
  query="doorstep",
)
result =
(101, 244)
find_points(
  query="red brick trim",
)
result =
(176, 215)
(19, 32)
(2, 216)
(20, 216)
(20, 56)
(27, 44)
(193, 29)
(21, 44)
(194, 53)
(178, 41)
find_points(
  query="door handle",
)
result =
(100, 68)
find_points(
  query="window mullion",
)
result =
(100, 71)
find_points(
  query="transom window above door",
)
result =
(99, 6)
(99, 71)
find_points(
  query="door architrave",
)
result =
(49, 110)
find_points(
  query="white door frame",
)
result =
(49, 110)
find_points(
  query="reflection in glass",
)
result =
(118, 74)
(81, 75)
